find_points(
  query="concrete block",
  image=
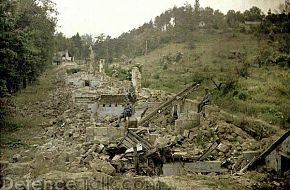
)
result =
(204, 166)
(186, 133)
(90, 131)
(188, 121)
(180, 168)
(153, 137)
(103, 134)
(190, 105)
(132, 123)
(171, 169)
(249, 155)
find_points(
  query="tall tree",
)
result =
(254, 14)
(27, 30)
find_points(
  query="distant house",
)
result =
(172, 21)
(252, 23)
(62, 56)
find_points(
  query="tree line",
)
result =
(26, 38)
(175, 25)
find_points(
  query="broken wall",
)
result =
(110, 105)
(109, 110)
(136, 80)
(82, 79)
(189, 106)
(103, 134)
(101, 65)
(273, 160)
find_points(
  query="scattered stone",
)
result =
(102, 166)
(16, 158)
(88, 158)
(186, 133)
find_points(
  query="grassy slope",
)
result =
(263, 94)
(21, 128)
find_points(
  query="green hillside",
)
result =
(247, 89)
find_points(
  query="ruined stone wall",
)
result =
(136, 80)
(273, 161)
(75, 82)
(79, 80)
(189, 106)
(101, 65)
(103, 134)
(107, 111)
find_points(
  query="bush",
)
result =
(165, 67)
(229, 86)
(268, 56)
(243, 71)
(243, 96)
(146, 83)
(156, 76)
(283, 60)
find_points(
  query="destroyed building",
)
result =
(164, 137)
(62, 56)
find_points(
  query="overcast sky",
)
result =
(113, 17)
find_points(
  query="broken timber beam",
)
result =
(208, 151)
(131, 139)
(182, 94)
(257, 160)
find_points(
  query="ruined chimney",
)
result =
(101, 65)
(136, 80)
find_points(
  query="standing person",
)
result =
(127, 112)
(205, 100)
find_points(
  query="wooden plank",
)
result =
(167, 103)
(208, 151)
(127, 144)
(145, 143)
(181, 168)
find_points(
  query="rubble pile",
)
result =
(172, 139)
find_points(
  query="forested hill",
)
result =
(177, 25)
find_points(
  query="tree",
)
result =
(76, 46)
(218, 20)
(254, 14)
(25, 42)
(196, 7)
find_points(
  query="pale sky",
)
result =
(113, 17)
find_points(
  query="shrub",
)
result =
(146, 83)
(283, 60)
(243, 71)
(165, 67)
(268, 56)
(243, 96)
(229, 85)
(156, 76)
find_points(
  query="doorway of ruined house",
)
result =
(285, 164)
(175, 112)
(87, 83)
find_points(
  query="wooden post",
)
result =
(136, 159)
